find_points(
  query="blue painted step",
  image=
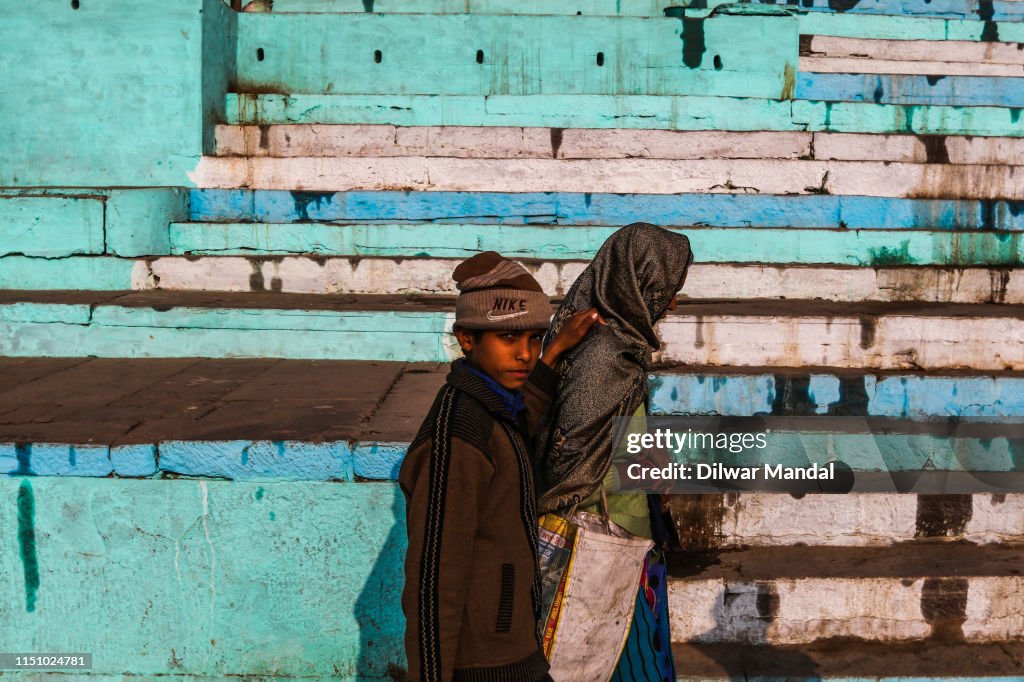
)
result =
(716, 210)
(987, 91)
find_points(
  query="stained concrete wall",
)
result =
(105, 93)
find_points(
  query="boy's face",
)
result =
(506, 357)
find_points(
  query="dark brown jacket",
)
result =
(472, 592)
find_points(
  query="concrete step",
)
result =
(939, 68)
(796, 595)
(985, 337)
(307, 140)
(631, 111)
(651, 176)
(707, 523)
(432, 276)
(855, 661)
(612, 210)
(226, 427)
(959, 51)
(783, 246)
(907, 28)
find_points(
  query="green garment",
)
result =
(628, 509)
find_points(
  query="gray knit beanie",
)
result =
(496, 293)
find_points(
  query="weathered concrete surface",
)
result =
(311, 140)
(796, 595)
(860, 178)
(205, 577)
(341, 275)
(50, 227)
(885, 88)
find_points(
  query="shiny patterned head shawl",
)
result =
(631, 281)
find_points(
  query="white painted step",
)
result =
(796, 595)
(733, 520)
(337, 275)
(650, 176)
(321, 140)
(786, 335)
(962, 51)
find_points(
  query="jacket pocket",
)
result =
(506, 598)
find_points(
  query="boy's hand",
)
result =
(572, 333)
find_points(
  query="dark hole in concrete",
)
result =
(578, 12)
(718, 63)
(600, 58)
(377, 56)
(75, 4)
(259, 54)
(479, 56)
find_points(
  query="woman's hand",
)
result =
(575, 328)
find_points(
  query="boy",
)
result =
(472, 590)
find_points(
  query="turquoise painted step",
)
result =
(710, 245)
(718, 210)
(931, 90)
(372, 54)
(625, 111)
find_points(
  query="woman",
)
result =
(632, 282)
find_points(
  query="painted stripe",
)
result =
(855, 65)
(912, 396)
(807, 609)
(711, 245)
(913, 50)
(587, 143)
(885, 89)
(877, 341)
(577, 208)
(432, 276)
(653, 176)
(622, 111)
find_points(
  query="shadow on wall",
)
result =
(378, 609)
